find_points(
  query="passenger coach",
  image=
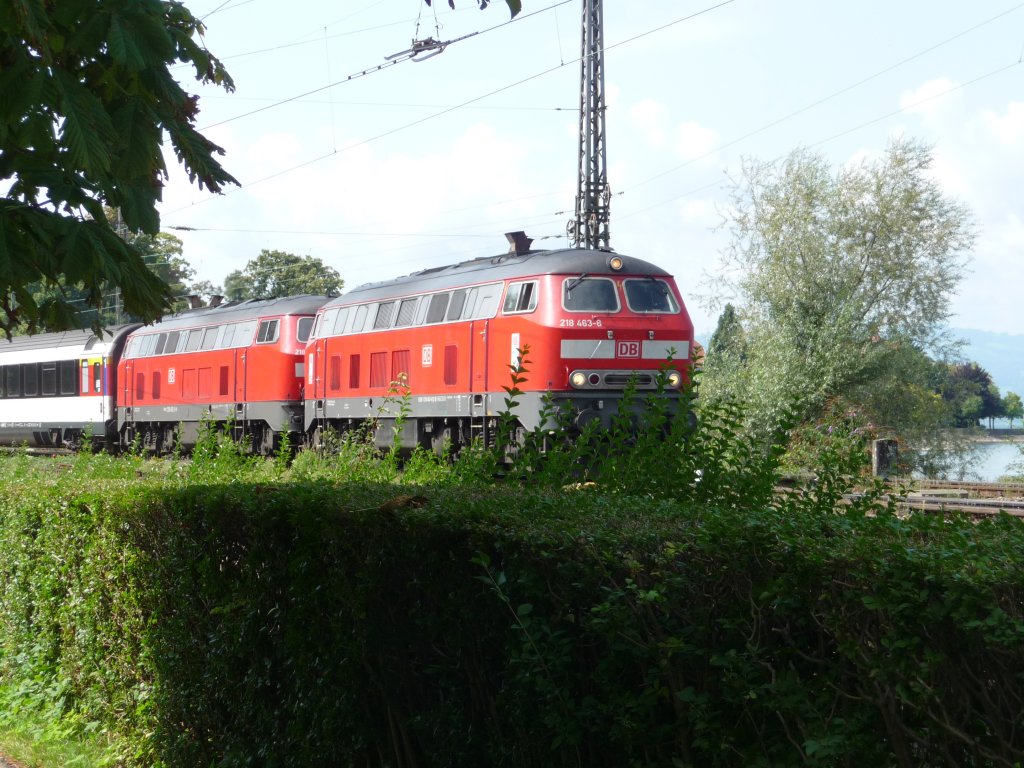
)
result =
(594, 321)
(56, 388)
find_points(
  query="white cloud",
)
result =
(931, 98)
(695, 142)
(1007, 129)
(649, 118)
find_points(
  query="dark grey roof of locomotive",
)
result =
(507, 266)
(85, 339)
(234, 311)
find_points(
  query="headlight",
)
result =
(615, 263)
(578, 379)
(674, 379)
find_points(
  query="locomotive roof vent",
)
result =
(518, 243)
(194, 301)
(215, 301)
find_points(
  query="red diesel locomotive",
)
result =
(239, 363)
(593, 322)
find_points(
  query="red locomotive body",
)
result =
(593, 322)
(240, 363)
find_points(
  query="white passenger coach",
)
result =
(57, 387)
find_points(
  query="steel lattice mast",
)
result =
(593, 196)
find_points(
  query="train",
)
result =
(443, 342)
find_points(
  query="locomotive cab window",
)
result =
(303, 328)
(520, 297)
(268, 332)
(589, 294)
(650, 295)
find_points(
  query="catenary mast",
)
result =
(590, 227)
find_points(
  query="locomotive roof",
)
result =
(507, 266)
(84, 339)
(234, 311)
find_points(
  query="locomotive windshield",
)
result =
(650, 295)
(589, 294)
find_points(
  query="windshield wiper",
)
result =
(574, 282)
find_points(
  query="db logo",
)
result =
(627, 349)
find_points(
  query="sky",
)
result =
(380, 167)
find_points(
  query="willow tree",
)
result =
(86, 99)
(839, 273)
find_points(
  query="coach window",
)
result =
(457, 303)
(68, 370)
(30, 379)
(195, 340)
(520, 297)
(589, 294)
(438, 307)
(650, 295)
(12, 376)
(406, 312)
(385, 314)
(49, 379)
(268, 332)
(302, 329)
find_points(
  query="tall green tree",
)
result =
(278, 273)
(839, 273)
(1013, 407)
(86, 97)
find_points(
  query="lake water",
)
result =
(992, 459)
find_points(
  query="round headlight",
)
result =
(674, 379)
(578, 379)
(615, 263)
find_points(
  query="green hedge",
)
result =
(309, 623)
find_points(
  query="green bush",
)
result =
(676, 612)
